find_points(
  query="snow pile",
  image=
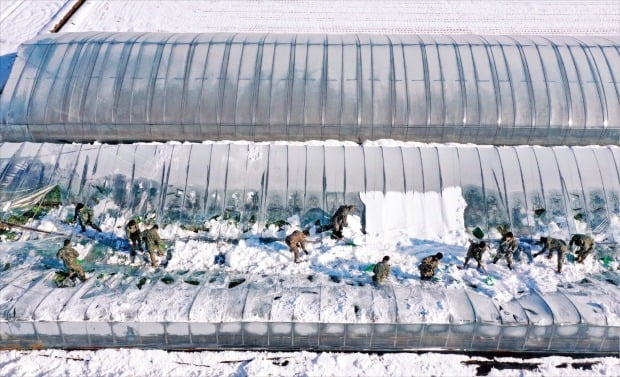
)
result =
(422, 215)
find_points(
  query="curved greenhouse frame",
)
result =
(524, 188)
(551, 90)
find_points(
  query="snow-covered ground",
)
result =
(133, 362)
(22, 19)
(354, 16)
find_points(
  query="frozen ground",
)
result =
(354, 16)
(131, 362)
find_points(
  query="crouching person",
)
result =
(507, 246)
(586, 246)
(381, 270)
(429, 265)
(69, 256)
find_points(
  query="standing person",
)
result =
(69, 256)
(135, 237)
(429, 265)
(552, 244)
(295, 241)
(476, 250)
(153, 244)
(586, 246)
(84, 215)
(508, 245)
(339, 220)
(381, 270)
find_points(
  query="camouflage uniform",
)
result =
(69, 256)
(506, 248)
(585, 243)
(339, 220)
(476, 250)
(552, 244)
(153, 243)
(428, 266)
(381, 272)
(297, 240)
(134, 235)
(85, 216)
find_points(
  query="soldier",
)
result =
(507, 246)
(297, 240)
(552, 244)
(428, 266)
(153, 244)
(135, 237)
(339, 220)
(381, 270)
(69, 256)
(84, 216)
(476, 250)
(585, 243)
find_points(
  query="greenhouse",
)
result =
(553, 90)
(428, 136)
(522, 188)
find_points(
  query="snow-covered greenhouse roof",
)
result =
(523, 187)
(550, 90)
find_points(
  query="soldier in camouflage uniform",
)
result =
(295, 241)
(153, 244)
(84, 215)
(476, 250)
(381, 270)
(586, 246)
(69, 256)
(508, 245)
(552, 244)
(135, 236)
(339, 220)
(429, 265)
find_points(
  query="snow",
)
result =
(21, 20)
(353, 16)
(252, 259)
(113, 362)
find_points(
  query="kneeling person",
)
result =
(429, 265)
(381, 270)
(586, 246)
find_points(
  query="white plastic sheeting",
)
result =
(383, 318)
(153, 86)
(524, 188)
